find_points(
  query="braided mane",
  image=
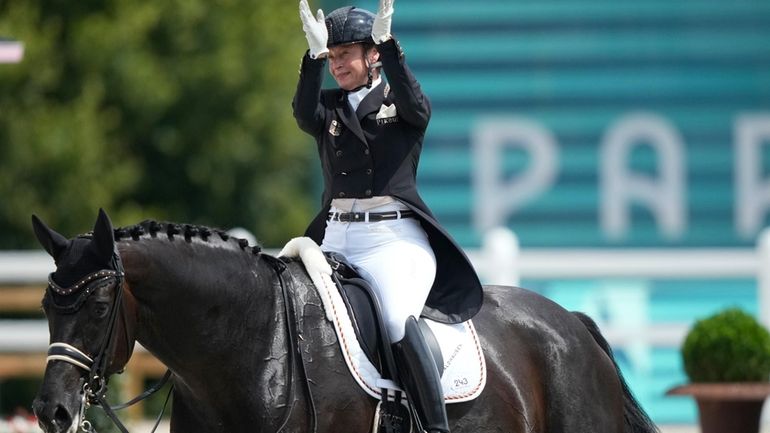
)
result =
(169, 230)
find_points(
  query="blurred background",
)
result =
(622, 145)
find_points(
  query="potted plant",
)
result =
(727, 359)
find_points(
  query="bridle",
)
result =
(94, 389)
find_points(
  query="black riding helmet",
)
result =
(349, 25)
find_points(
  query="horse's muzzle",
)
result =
(54, 417)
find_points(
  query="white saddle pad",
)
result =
(465, 372)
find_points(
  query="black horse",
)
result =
(250, 349)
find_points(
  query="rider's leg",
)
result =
(397, 260)
(402, 271)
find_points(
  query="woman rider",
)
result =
(369, 135)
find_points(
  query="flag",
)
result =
(11, 51)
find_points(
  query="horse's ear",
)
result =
(104, 238)
(53, 242)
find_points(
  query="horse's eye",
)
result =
(100, 309)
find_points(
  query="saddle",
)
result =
(366, 316)
(369, 327)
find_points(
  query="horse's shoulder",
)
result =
(300, 278)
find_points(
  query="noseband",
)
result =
(95, 386)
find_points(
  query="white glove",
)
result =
(315, 30)
(381, 25)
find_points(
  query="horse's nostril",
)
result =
(62, 417)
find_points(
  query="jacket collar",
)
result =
(372, 101)
(355, 97)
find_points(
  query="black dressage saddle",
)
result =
(367, 318)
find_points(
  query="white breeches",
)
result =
(394, 256)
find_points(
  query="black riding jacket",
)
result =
(374, 151)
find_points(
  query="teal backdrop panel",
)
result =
(657, 84)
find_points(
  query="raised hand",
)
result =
(315, 30)
(381, 25)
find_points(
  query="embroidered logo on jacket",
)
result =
(387, 114)
(335, 128)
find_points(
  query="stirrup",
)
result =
(392, 417)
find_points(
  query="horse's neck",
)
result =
(226, 336)
(193, 310)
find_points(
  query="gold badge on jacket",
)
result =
(335, 128)
(387, 114)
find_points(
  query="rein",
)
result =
(95, 386)
(294, 349)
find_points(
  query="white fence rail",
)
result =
(24, 267)
(500, 247)
(500, 261)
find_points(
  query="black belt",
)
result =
(350, 217)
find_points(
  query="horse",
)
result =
(250, 349)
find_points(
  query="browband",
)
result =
(79, 285)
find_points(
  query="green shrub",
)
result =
(730, 346)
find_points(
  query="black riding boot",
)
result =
(419, 376)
